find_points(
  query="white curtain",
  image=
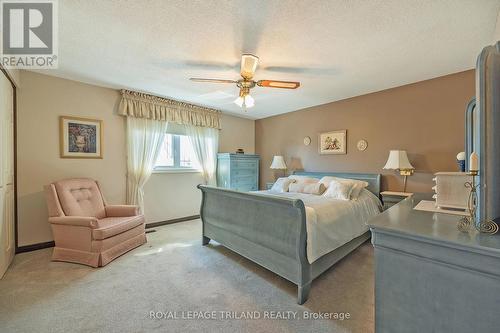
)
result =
(144, 140)
(205, 142)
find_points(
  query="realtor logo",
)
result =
(29, 34)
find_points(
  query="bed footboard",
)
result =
(270, 231)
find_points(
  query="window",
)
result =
(176, 154)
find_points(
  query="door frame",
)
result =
(14, 115)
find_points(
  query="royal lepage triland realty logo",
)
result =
(29, 34)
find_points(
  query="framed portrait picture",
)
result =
(334, 142)
(80, 137)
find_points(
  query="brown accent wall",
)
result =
(426, 119)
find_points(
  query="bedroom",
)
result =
(374, 76)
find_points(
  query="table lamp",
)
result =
(398, 160)
(278, 164)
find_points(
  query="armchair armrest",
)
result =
(81, 221)
(121, 210)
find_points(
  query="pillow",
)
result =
(356, 190)
(297, 187)
(307, 188)
(326, 180)
(281, 185)
(339, 190)
(358, 185)
(314, 188)
(304, 179)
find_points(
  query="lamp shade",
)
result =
(398, 160)
(278, 163)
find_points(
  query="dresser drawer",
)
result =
(248, 179)
(243, 172)
(244, 164)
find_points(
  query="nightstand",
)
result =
(391, 198)
(269, 185)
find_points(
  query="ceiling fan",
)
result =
(249, 64)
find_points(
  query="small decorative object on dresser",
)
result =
(487, 226)
(398, 160)
(238, 172)
(451, 191)
(333, 142)
(240, 151)
(461, 161)
(80, 137)
(391, 198)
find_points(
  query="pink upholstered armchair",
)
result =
(87, 230)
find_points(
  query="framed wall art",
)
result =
(80, 137)
(333, 142)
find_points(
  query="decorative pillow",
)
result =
(356, 190)
(297, 187)
(358, 185)
(326, 180)
(304, 179)
(314, 188)
(339, 190)
(307, 188)
(281, 185)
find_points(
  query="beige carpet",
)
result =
(175, 275)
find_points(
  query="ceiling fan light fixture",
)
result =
(246, 101)
(249, 101)
(239, 101)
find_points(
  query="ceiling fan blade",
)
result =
(196, 79)
(249, 64)
(212, 65)
(302, 70)
(278, 84)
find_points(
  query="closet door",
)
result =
(7, 243)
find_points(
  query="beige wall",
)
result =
(41, 100)
(496, 36)
(425, 118)
(237, 133)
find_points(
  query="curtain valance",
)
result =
(140, 105)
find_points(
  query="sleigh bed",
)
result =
(272, 230)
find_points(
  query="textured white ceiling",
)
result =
(342, 48)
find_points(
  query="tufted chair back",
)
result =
(80, 197)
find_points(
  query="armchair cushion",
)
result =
(121, 210)
(111, 226)
(81, 221)
(80, 197)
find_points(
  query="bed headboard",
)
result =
(373, 179)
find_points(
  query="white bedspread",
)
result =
(331, 223)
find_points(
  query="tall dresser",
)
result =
(238, 172)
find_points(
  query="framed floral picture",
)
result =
(80, 137)
(334, 142)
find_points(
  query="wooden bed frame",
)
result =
(271, 231)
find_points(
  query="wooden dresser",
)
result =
(430, 277)
(238, 172)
